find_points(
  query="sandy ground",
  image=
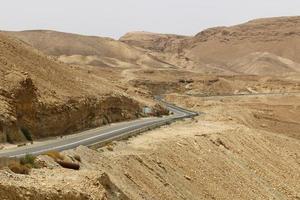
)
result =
(277, 113)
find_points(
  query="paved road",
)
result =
(246, 94)
(98, 135)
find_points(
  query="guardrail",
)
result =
(190, 112)
(132, 133)
(126, 135)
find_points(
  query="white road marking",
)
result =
(86, 139)
(179, 113)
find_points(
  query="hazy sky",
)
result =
(113, 18)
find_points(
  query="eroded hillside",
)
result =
(43, 97)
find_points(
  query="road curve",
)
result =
(99, 135)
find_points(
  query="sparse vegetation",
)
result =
(28, 160)
(19, 166)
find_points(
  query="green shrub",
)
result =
(28, 160)
(19, 166)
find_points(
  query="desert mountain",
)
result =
(42, 97)
(216, 48)
(153, 41)
(243, 145)
(38, 85)
(211, 51)
(86, 50)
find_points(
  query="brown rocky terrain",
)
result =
(218, 155)
(87, 50)
(244, 80)
(45, 98)
(213, 50)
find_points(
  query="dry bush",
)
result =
(55, 155)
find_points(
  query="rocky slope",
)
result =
(261, 44)
(41, 97)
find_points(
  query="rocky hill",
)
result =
(86, 50)
(215, 49)
(211, 51)
(41, 97)
(153, 41)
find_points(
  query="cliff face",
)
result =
(21, 107)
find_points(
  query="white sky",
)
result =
(113, 18)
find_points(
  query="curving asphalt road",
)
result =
(99, 135)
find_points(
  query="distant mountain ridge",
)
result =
(217, 48)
